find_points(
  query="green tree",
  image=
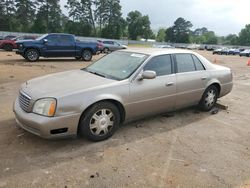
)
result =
(211, 38)
(25, 13)
(48, 17)
(180, 32)
(138, 26)
(231, 39)
(81, 12)
(109, 17)
(7, 15)
(244, 36)
(161, 35)
(101, 12)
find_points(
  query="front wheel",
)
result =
(100, 121)
(209, 98)
(86, 55)
(31, 55)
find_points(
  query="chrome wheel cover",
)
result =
(32, 55)
(87, 55)
(210, 98)
(101, 122)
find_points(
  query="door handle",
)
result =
(203, 78)
(170, 84)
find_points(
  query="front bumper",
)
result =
(45, 126)
(20, 52)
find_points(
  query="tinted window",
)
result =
(108, 42)
(65, 38)
(160, 64)
(52, 38)
(197, 63)
(184, 63)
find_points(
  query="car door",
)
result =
(154, 95)
(66, 46)
(191, 78)
(51, 47)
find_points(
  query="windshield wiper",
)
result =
(96, 73)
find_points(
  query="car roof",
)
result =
(157, 51)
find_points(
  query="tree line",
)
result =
(181, 32)
(102, 18)
(96, 18)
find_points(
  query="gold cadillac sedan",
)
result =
(122, 86)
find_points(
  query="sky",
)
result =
(221, 16)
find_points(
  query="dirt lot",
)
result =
(189, 149)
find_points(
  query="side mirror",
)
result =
(45, 41)
(148, 75)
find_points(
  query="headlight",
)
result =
(45, 107)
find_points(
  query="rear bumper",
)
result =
(46, 126)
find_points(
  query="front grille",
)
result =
(24, 101)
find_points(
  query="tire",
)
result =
(106, 50)
(8, 47)
(209, 98)
(31, 55)
(99, 122)
(86, 55)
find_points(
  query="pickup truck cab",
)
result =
(57, 45)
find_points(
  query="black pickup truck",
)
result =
(57, 45)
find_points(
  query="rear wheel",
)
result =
(8, 47)
(86, 55)
(106, 50)
(100, 121)
(209, 98)
(31, 55)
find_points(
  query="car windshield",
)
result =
(41, 37)
(117, 65)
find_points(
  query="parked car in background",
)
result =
(225, 51)
(57, 45)
(210, 48)
(9, 37)
(120, 87)
(1, 37)
(217, 51)
(110, 46)
(162, 46)
(202, 47)
(234, 51)
(245, 53)
(10, 44)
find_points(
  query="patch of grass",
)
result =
(140, 45)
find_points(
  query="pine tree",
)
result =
(109, 17)
(81, 12)
(25, 13)
(7, 19)
(48, 17)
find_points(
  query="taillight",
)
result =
(99, 45)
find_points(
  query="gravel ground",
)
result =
(188, 148)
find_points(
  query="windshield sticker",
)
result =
(138, 55)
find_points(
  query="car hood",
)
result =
(64, 83)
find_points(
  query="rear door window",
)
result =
(185, 63)
(65, 39)
(198, 64)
